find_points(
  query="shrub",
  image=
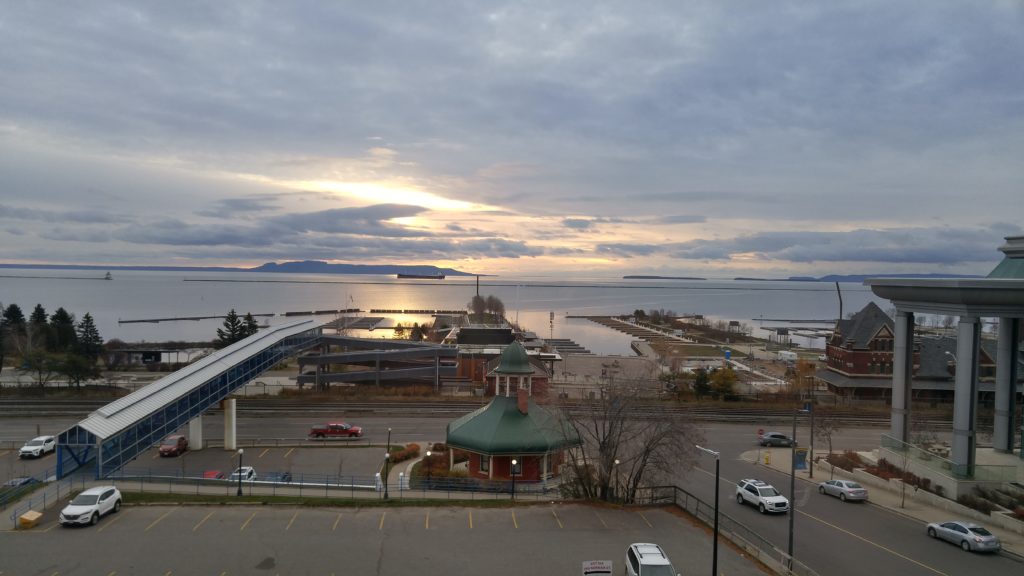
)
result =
(848, 460)
(402, 454)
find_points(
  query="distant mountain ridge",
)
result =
(295, 267)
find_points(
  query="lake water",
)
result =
(144, 295)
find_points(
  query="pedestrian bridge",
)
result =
(117, 433)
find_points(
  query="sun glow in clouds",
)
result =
(377, 192)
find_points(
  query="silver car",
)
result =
(843, 489)
(970, 536)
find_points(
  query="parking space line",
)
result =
(645, 519)
(556, 519)
(514, 522)
(111, 522)
(154, 456)
(247, 522)
(112, 574)
(294, 516)
(51, 527)
(265, 450)
(5, 453)
(336, 520)
(168, 573)
(470, 519)
(426, 524)
(601, 519)
(201, 522)
(157, 521)
(382, 515)
(288, 452)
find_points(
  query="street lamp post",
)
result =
(387, 460)
(427, 463)
(792, 484)
(615, 478)
(512, 472)
(714, 559)
(240, 451)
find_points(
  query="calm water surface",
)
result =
(142, 295)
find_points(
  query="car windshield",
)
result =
(658, 570)
(767, 492)
(980, 531)
(171, 442)
(35, 443)
(85, 499)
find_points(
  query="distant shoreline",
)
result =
(303, 267)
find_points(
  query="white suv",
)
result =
(762, 495)
(647, 560)
(37, 447)
(88, 506)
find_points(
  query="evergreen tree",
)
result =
(416, 334)
(38, 330)
(701, 383)
(399, 332)
(251, 327)
(14, 319)
(38, 316)
(62, 331)
(233, 330)
(89, 342)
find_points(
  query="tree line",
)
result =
(51, 344)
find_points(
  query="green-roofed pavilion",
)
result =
(513, 428)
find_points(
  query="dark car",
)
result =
(174, 446)
(776, 439)
(278, 477)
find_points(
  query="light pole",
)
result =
(792, 484)
(240, 451)
(387, 460)
(714, 559)
(427, 462)
(512, 471)
(615, 478)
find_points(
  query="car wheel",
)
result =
(117, 506)
(760, 508)
(320, 436)
(966, 546)
(821, 489)
(739, 498)
(95, 518)
(842, 497)
(931, 532)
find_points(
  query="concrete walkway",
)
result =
(914, 504)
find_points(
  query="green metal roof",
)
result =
(1009, 268)
(514, 360)
(500, 428)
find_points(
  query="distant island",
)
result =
(644, 277)
(853, 278)
(298, 267)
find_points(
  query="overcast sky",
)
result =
(526, 138)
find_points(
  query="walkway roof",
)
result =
(124, 412)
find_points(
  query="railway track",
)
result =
(276, 408)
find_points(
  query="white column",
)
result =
(902, 375)
(229, 425)
(1006, 383)
(195, 433)
(965, 396)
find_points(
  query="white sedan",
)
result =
(843, 489)
(37, 447)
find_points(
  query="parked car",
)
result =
(37, 447)
(213, 475)
(968, 535)
(90, 505)
(844, 490)
(174, 446)
(335, 430)
(762, 495)
(279, 477)
(776, 439)
(246, 473)
(645, 559)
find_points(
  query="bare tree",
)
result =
(624, 450)
(477, 305)
(825, 428)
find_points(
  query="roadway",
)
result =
(832, 537)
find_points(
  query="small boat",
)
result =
(422, 276)
(108, 276)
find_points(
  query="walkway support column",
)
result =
(1006, 384)
(902, 375)
(965, 396)
(195, 433)
(229, 425)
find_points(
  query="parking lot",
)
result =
(545, 539)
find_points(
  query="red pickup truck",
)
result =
(335, 429)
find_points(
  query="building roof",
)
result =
(862, 326)
(1012, 265)
(840, 381)
(500, 428)
(124, 412)
(514, 360)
